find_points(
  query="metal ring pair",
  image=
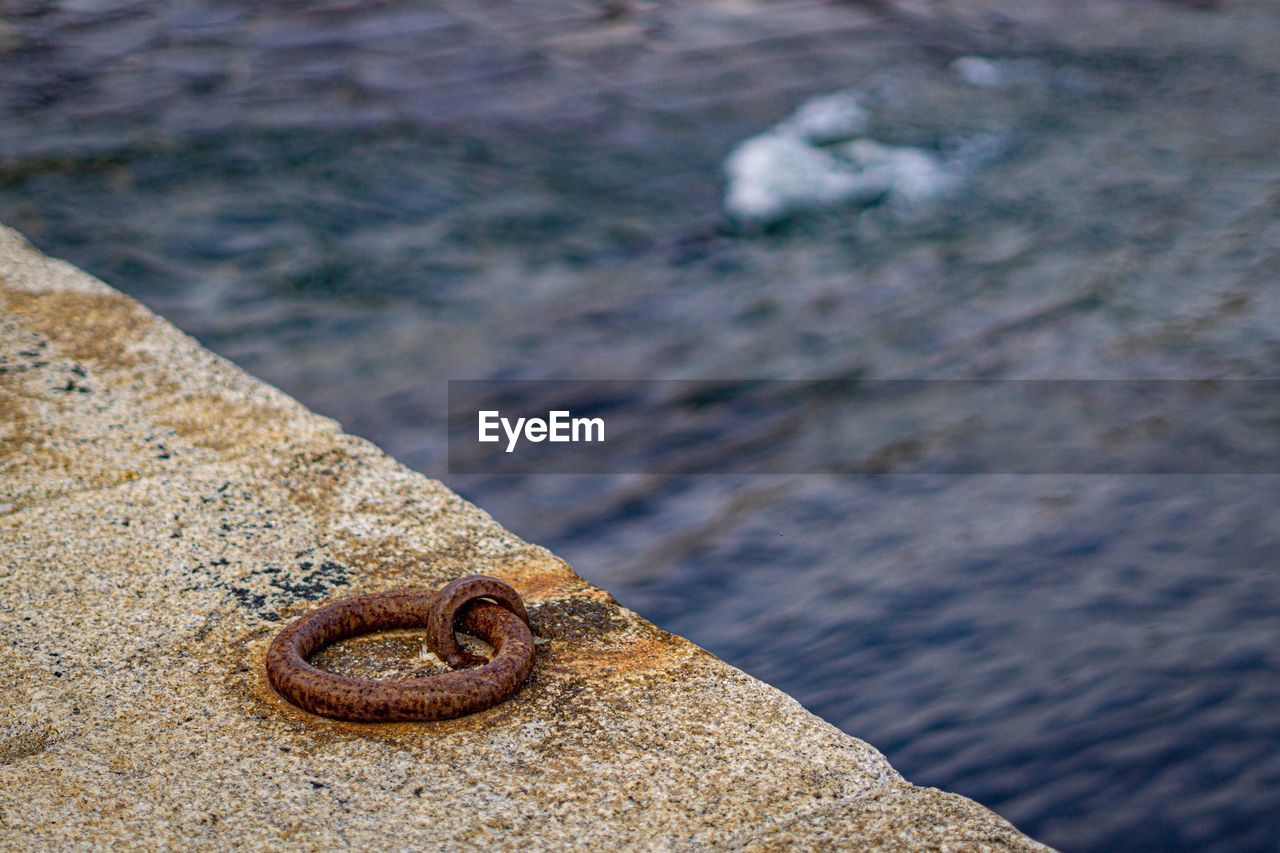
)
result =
(474, 683)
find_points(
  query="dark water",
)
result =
(358, 202)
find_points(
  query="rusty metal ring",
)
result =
(437, 697)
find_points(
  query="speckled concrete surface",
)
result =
(161, 513)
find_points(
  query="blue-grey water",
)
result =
(359, 201)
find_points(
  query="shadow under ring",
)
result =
(437, 697)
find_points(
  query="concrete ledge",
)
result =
(161, 512)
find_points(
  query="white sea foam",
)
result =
(819, 157)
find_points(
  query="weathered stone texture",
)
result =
(161, 513)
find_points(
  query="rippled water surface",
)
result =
(358, 202)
